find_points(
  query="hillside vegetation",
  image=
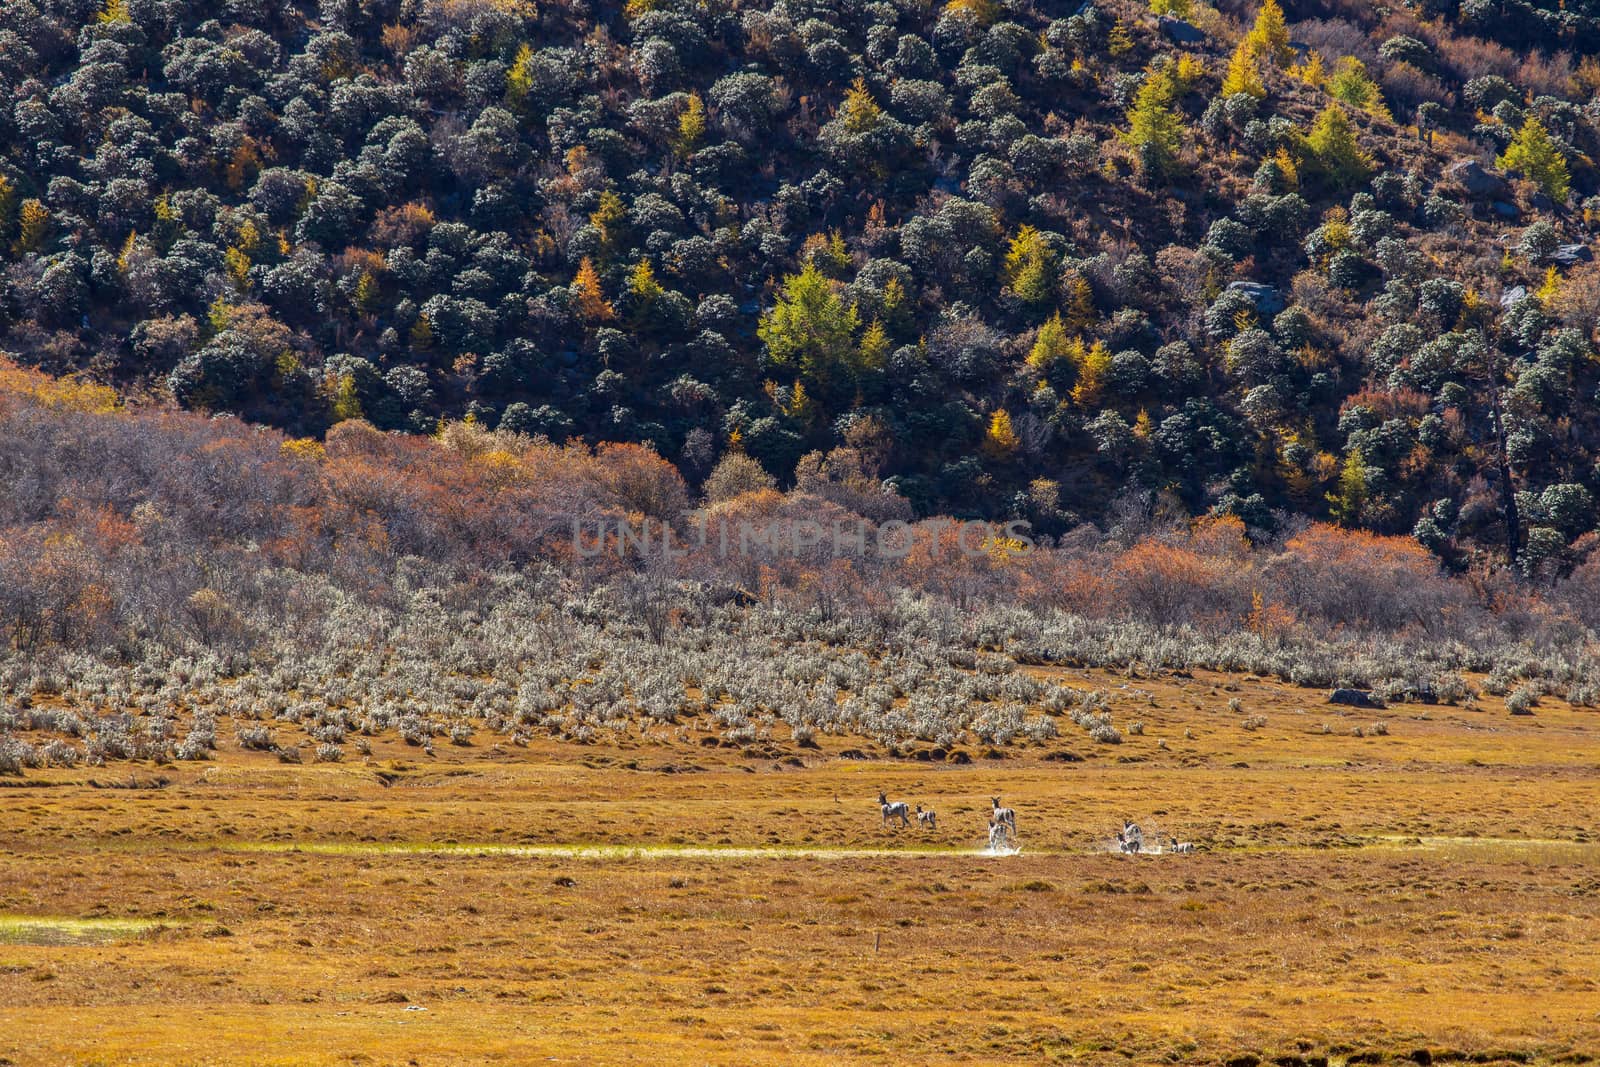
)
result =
(981, 253)
(171, 584)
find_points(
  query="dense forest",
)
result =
(1054, 261)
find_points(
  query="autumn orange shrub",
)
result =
(1350, 579)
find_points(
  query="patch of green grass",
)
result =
(48, 930)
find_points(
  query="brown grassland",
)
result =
(1428, 894)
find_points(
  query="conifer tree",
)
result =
(1244, 74)
(591, 301)
(1118, 41)
(1051, 345)
(1081, 314)
(691, 126)
(1094, 365)
(859, 113)
(810, 330)
(1000, 441)
(1351, 83)
(1533, 153)
(1345, 504)
(519, 79)
(1029, 267)
(1333, 141)
(1271, 34)
(1155, 129)
(874, 348)
(237, 265)
(421, 335)
(8, 201)
(610, 218)
(34, 222)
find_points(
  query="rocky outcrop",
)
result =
(1267, 300)
(1480, 183)
(1181, 32)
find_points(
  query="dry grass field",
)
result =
(1425, 892)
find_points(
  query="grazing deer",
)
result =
(927, 818)
(897, 810)
(1002, 816)
(1180, 846)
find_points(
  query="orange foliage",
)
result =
(641, 481)
(67, 394)
(1351, 578)
(1174, 584)
(1391, 403)
(402, 226)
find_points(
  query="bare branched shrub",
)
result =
(256, 739)
(1522, 701)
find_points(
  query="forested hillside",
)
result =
(1046, 260)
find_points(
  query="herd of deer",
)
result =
(1003, 826)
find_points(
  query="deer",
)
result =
(927, 818)
(897, 810)
(1180, 846)
(1002, 816)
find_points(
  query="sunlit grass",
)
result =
(600, 852)
(47, 930)
(1354, 898)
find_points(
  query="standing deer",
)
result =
(927, 818)
(897, 810)
(1004, 816)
